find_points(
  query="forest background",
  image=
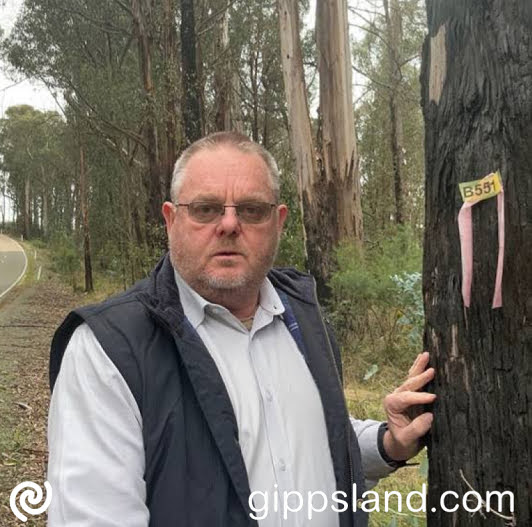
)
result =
(137, 81)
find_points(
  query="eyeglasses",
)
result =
(247, 212)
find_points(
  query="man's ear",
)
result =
(282, 213)
(168, 211)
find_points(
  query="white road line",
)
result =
(21, 274)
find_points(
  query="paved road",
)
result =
(12, 263)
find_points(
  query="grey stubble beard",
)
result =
(218, 289)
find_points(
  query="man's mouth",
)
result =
(227, 253)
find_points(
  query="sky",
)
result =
(18, 90)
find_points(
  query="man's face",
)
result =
(227, 254)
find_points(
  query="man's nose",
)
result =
(229, 223)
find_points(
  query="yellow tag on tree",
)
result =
(484, 188)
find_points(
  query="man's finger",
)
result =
(420, 364)
(417, 382)
(415, 430)
(399, 402)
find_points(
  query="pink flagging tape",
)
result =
(497, 295)
(465, 228)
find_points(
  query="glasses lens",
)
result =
(254, 212)
(205, 212)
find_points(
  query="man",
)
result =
(213, 388)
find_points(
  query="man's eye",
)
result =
(206, 208)
(251, 209)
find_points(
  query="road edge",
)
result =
(23, 270)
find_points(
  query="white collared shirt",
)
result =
(281, 424)
(96, 462)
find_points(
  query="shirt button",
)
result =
(269, 396)
(282, 465)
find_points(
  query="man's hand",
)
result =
(405, 427)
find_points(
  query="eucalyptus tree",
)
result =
(387, 56)
(103, 56)
(327, 166)
(477, 104)
(34, 166)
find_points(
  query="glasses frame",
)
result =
(217, 217)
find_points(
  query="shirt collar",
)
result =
(194, 304)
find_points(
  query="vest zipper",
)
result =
(331, 354)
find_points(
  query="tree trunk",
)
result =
(4, 205)
(170, 82)
(141, 12)
(477, 103)
(84, 204)
(191, 95)
(329, 190)
(222, 76)
(394, 39)
(299, 126)
(27, 207)
(237, 121)
(254, 88)
(338, 141)
(45, 215)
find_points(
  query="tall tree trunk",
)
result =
(35, 215)
(84, 204)
(329, 190)
(27, 207)
(477, 103)
(3, 205)
(254, 81)
(170, 82)
(299, 126)
(394, 33)
(237, 121)
(222, 76)
(45, 214)
(44, 209)
(141, 10)
(338, 140)
(191, 95)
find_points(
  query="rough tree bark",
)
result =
(296, 99)
(477, 103)
(329, 189)
(338, 140)
(394, 33)
(191, 95)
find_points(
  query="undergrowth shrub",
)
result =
(65, 257)
(376, 306)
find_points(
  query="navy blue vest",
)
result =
(195, 473)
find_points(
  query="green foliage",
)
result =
(34, 158)
(65, 257)
(376, 298)
(292, 247)
(411, 302)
